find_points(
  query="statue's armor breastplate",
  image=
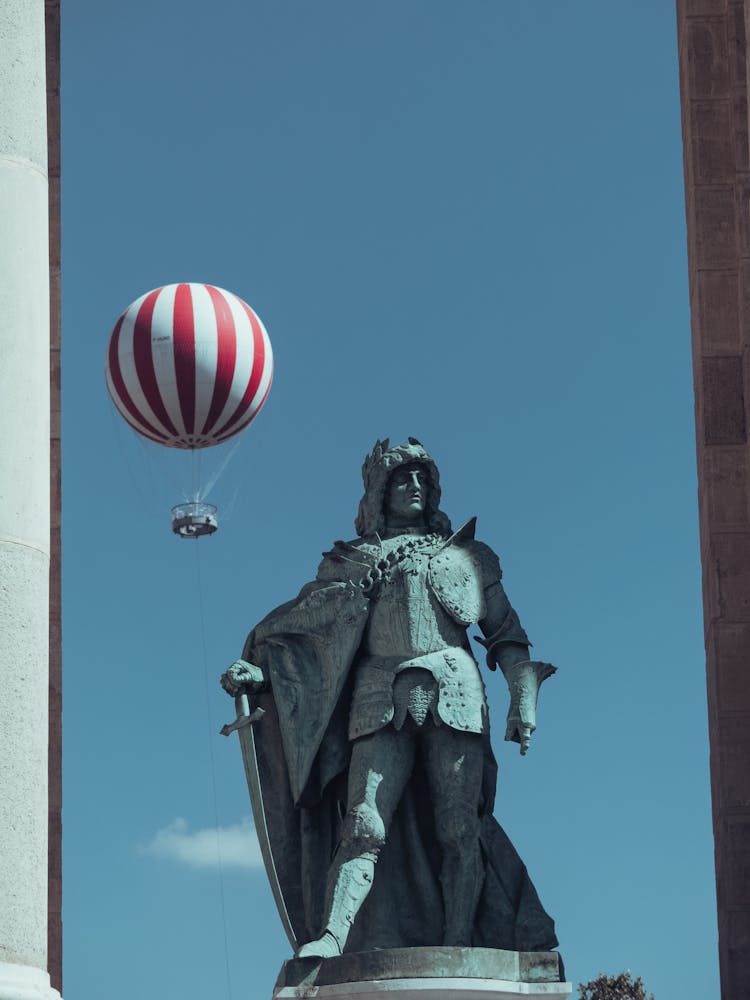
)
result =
(406, 618)
(409, 628)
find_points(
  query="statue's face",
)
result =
(406, 496)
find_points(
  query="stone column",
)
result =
(714, 87)
(54, 854)
(24, 502)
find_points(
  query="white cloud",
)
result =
(235, 846)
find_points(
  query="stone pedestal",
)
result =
(426, 974)
(429, 989)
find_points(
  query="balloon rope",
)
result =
(220, 471)
(119, 438)
(210, 732)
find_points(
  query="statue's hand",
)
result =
(243, 677)
(517, 732)
(524, 678)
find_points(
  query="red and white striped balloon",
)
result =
(189, 365)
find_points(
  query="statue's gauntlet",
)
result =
(243, 677)
(524, 679)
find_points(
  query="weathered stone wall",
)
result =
(714, 85)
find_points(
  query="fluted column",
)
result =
(24, 502)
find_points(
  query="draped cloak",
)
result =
(308, 650)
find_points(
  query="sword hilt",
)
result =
(245, 717)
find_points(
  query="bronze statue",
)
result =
(373, 754)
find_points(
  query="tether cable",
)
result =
(209, 731)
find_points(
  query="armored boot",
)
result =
(349, 884)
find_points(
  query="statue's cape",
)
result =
(307, 648)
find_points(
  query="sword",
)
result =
(243, 724)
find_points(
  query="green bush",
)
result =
(622, 987)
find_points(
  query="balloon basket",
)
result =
(192, 520)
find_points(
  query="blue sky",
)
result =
(458, 221)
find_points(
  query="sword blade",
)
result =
(252, 774)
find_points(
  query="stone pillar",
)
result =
(713, 83)
(54, 853)
(24, 502)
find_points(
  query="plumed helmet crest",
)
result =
(376, 471)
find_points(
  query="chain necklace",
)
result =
(383, 570)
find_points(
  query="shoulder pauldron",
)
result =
(455, 577)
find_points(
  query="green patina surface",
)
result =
(372, 754)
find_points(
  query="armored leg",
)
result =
(454, 764)
(380, 767)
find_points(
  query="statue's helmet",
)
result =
(377, 470)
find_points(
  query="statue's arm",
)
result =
(508, 648)
(249, 674)
(504, 637)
